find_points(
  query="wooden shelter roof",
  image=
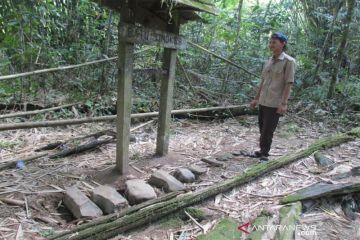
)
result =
(158, 10)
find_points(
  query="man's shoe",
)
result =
(264, 158)
(256, 154)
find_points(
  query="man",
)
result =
(272, 97)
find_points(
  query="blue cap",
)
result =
(281, 36)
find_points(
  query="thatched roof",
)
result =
(160, 8)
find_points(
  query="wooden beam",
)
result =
(126, 60)
(199, 6)
(148, 36)
(166, 94)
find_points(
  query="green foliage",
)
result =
(53, 33)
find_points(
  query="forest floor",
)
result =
(42, 182)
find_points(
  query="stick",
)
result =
(222, 58)
(18, 114)
(11, 126)
(95, 231)
(13, 202)
(61, 68)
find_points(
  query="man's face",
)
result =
(276, 45)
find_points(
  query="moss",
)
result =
(6, 144)
(226, 229)
(171, 221)
(289, 215)
(196, 213)
(260, 221)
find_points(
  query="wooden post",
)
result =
(166, 92)
(124, 88)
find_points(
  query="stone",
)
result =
(108, 199)
(212, 161)
(197, 170)
(224, 157)
(184, 175)
(132, 138)
(80, 205)
(165, 181)
(240, 153)
(236, 153)
(138, 191)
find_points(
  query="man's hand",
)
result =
(253, 103)
(282, 108)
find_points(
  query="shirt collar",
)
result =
(281, 56)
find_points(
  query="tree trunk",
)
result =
(320, 57)
(340, 52)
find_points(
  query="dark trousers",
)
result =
(268, 121)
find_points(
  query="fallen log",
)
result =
(81, 148)
(54, 145)
(20, 114)
(241, 109)
(154, 212)
(91, 145)
(322, 190)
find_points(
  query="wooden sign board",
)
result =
(141, 35)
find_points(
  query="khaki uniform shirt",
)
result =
(275, 75)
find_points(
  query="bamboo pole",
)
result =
(19, 114)
(55, 123)
(61, 68)
(222, 58)
(108, 229)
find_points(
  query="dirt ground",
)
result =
(41, 183)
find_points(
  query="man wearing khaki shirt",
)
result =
(272, 97)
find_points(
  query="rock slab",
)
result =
(212, 161)
(165, 181)
(224, 157)
(184, 175)
(197, 170)
(80, 205)
(138, 191)
(108, 199)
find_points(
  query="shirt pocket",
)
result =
(278, 73)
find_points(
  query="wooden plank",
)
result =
(166, 94)
(199, 6)
(137, 34)
(322, 189)
(124, 88)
